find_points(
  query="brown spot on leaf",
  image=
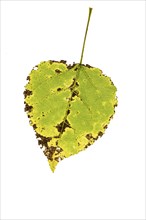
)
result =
(100, 134)
(57, 71)
(27, 93)
(105, 127)
(62, 126)
(89, 136)
(34, 126)
(75, 93)
(87, 145)
(87, 65)
(43, 140)
(39, 142)
(50, 152)
(28, 108)
(28, 78)
(63, 61)
(72, 85)
(57, 159)
(68, 112)
(53, 61)
(71, 66)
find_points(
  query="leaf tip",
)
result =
(52, 165)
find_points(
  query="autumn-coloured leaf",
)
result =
(69, 106)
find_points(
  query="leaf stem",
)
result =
(89, 15)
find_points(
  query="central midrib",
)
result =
(78, 66)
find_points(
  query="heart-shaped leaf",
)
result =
(69, 107)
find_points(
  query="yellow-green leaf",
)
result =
(69, 107)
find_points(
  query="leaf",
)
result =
(69, 107)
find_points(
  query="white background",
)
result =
(107, 180)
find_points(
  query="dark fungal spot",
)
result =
(105, 127)
(51, 151)
(59, 89)
(43, 140)
(77, 84)
(111, 116)
(76, 69)
(115, 105)
(57, 159)
(46, 139)
(53, 61)
(42, 137)
(57, 136)
(63, 61)
(100, 134)
(27, 108)
(71, 66)
(87, 65)
(57, 71)
(89, 136)
(62, 126)
(36, 67)
(72, 85)
(39, 142)
(111, 81)
(34, 126)
(96, 137)
(28, 78)
(87, 145)
(75, 93)
(27, 93)
(68, 112)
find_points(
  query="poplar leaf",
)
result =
(69, 107)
